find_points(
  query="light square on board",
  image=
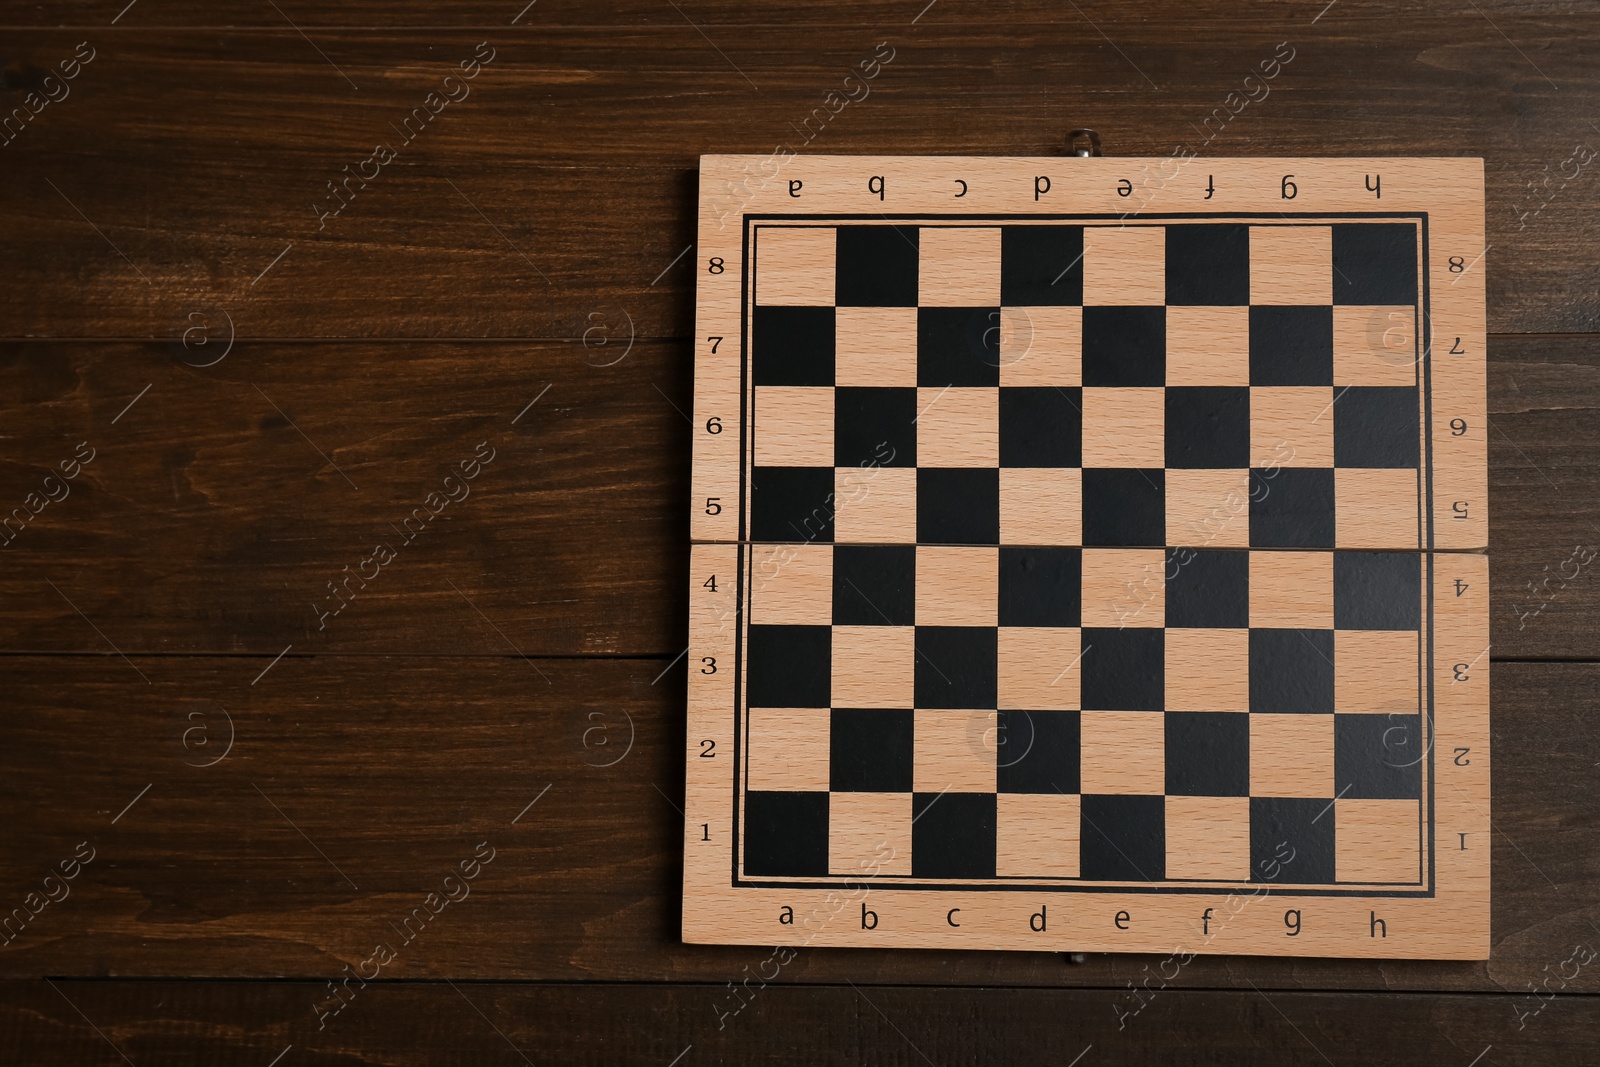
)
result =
(1124, 265)
(1124, 753)
(956, 585)
(875, 346)
(1291, 426)
(1038, 667)
(1208, 669)
(1375, 671)
(1208, 838)
(1292, 589)
(1036, 835)
(1041, 505)
(795, 265)
(869, 834)
(1374, 345)
(1208, 345)
(1291, 755)
(793, 426)
(873, 666)
(1376, 508)
(1124, 427)
(1378, 841)
(788, 749)
(958, 427)
(1124, 587)
(1291, 264)
(1208, 508)
(959, 266)
(1041, 345)
(791, 585)
(875, 505)
(955, 750)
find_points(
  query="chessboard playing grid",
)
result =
(962, 712)
(1104, 385)
(1002, 426)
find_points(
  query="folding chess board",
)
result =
(1088, 556)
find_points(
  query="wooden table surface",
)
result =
(253, 780)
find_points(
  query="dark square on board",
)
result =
(1041, 265)
(790, 504)
(1377, 590)
(1291, 670)
(1040, 586)
(1037, 751)
(1375, 263)
(1376, 426)
(957, 666)
(1291, 345)
(1123, 669)
(789, 667)
(785, 834)
(1124, 507)
(1208, 263)
(1041, 426)
(1208, 426)
(958, 505)
(958, 347)
(1208, 753)
(874, 585)
(1124, 346)
(1291, 507)
(1208, 588)
(874, 427)
(792, 345)
(1378, 757)
(870, 750)
(876, 266)
(1291, 840)
(1122, 838)
(953, 835)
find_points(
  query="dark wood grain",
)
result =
(1544, 469)
(355, 784)
(209, 522)
(185, 161)
(468, 1023)
(495, 14)
(218, 508)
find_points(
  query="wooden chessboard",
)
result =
(1088, 555)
